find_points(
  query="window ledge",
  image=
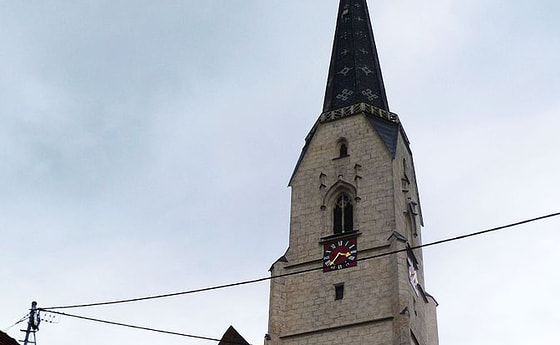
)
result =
(341, 236)
(341, 157)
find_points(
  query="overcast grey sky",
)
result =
(145, 148)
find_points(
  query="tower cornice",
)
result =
(356, 109)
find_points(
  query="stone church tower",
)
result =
(354, 198)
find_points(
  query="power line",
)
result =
(162, 296)
(252, 281)
(114, 323)
(16, 323)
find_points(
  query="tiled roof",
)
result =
(232, 337)
(7, 340)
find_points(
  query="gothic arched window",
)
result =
(342, 148)
(343, 215)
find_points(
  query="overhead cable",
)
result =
(16, 323)
(114, 323)
(257, 280)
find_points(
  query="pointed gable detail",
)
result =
(387, 131)
(232, 337)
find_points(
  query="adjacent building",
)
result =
(7, 340)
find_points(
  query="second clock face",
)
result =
(340, 254)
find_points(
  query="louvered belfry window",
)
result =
(343, 215)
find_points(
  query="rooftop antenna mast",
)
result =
(32, 325)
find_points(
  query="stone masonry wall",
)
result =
(303, 309)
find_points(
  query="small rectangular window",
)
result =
(339, 291)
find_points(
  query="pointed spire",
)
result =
(355, 73)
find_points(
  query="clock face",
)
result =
(340, 254)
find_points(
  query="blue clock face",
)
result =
(340, 254)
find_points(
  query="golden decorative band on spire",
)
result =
(357, 109)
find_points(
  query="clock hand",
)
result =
(347, 254)
(333, 260)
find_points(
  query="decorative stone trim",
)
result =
(356, 109)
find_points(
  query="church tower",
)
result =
(354, 199)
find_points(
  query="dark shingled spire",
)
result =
(354, 74)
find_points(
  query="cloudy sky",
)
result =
(145, 148)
